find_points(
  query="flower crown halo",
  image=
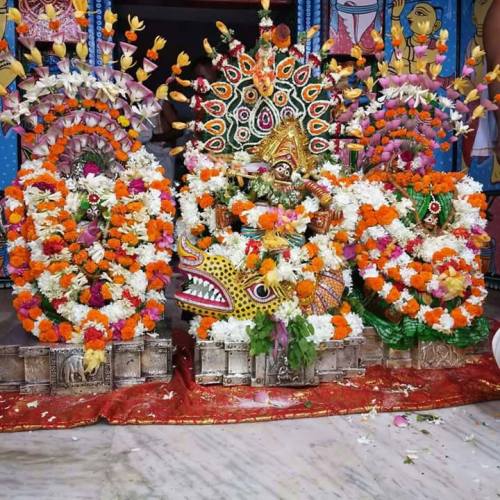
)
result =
(90, 214)
(414, 114)
(260, 88)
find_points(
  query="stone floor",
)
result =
(357, 457)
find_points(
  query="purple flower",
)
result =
(44, 186)
(383, 242)
(91, 168)
(350, 252)
(280, 337)
(96, 298)
(90, 234)
(467, 70)
(136, 186)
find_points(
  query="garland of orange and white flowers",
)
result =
(49, 264)
(396, 260)
(298, 265)
(326, 326)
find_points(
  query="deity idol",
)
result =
(257, 229)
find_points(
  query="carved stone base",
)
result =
(337, 359)
(372, 349)
(30, 367)
(425, 355)
(268, 371)
(231, 364)
(437, 355)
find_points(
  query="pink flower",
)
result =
(91, 168)
(136, 186)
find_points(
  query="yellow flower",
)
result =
(82, 51)
(159, 43)
(376, 37)
(312, 31)
(3, 90)
(370, 83)
(327, 45)
(443, 35)
(126, 62)
(222, 28)
(141, 75)
(207, 47)
(435, 69)
(50, 12)
(110, 17)
(421, 65)
(135, 23)
(162, 92)
(14, 15)
(17, 68)
(123, 121)
(59, 49)
(352, 93)
(182, 60)
(383, 67)
(81, 7)
(479, 112)
(461, 85)
(493, 75)
(454, 282)
(265, 4)
(398, 66)
(92, 359)
(356, 52)
(35, 56)
(477, 53)
(471, 96)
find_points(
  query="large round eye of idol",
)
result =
(261, 293)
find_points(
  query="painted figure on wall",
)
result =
(351, 22)
(480, 143)
(423, 19)
(6, 75)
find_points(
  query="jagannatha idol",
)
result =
(257, 231)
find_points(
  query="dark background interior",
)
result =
(184, 24)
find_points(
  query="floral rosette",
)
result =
(90, 214)
(427, 276)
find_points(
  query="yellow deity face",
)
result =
(423, 19)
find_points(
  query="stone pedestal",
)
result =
(30, 367)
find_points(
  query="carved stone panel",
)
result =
(372, 349)
(157, 359)
(67, 374)
(127, 362)
(210, 362)
(437, 355)
(11, 369)
(238, 364)
(270, 371)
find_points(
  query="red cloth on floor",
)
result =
(182, 401)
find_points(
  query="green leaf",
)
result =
(445, 199)
(260, 334)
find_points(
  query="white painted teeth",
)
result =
(199, 287)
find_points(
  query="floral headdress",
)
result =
(90, 213)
